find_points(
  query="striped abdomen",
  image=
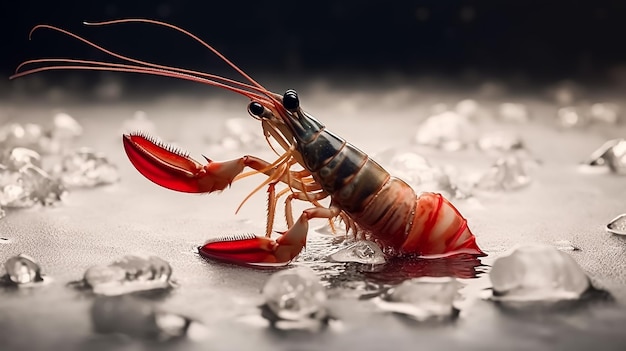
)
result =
(383, 206)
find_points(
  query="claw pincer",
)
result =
(259, 251)
(175, 170)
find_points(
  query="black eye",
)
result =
(256, 109)
(290, 100)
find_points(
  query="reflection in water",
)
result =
(365, 278)
(138, 318)
(398, 270)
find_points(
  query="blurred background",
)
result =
(522, 43)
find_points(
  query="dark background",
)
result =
(527, 41)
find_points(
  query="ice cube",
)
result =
(362, 251)
(295, 294)
(422, 298)
(508, 173)
(611, 154)
(513, 112)
(605, 112)
(14, 195)
(22, 270)
(537, 273)
(86, 168)
(137, 318)
(617, 225)
(40, 187)
(129, 274)
(448, 130)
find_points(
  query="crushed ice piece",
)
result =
(139, 318)
(295, 294)
(39, 187)
(424, 298)
(508, 173)
(7, 176)
(500, 141)
(565, 245)
(611, 154)
(537, 273)
(362, 251)
(571, 117)
(139, 122)
(617, 225)
(513, 112)
(65, 127)
(605, 112)
(19, 157)
(28, 186)
(13, 195)
(86, 168)
(129, 274)
(449, 131)
(22, 270)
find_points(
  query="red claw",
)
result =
(172, 169)
(259, 251)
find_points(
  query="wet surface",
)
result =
(93, 227)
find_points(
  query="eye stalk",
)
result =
(256, 109)
(290, 100)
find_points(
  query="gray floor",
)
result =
(96, 226)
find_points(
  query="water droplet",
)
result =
(362, 251)
(22, 270)
(617, 225)
(537, 273)
(422, 298)
(295, 294)
(129, 274)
